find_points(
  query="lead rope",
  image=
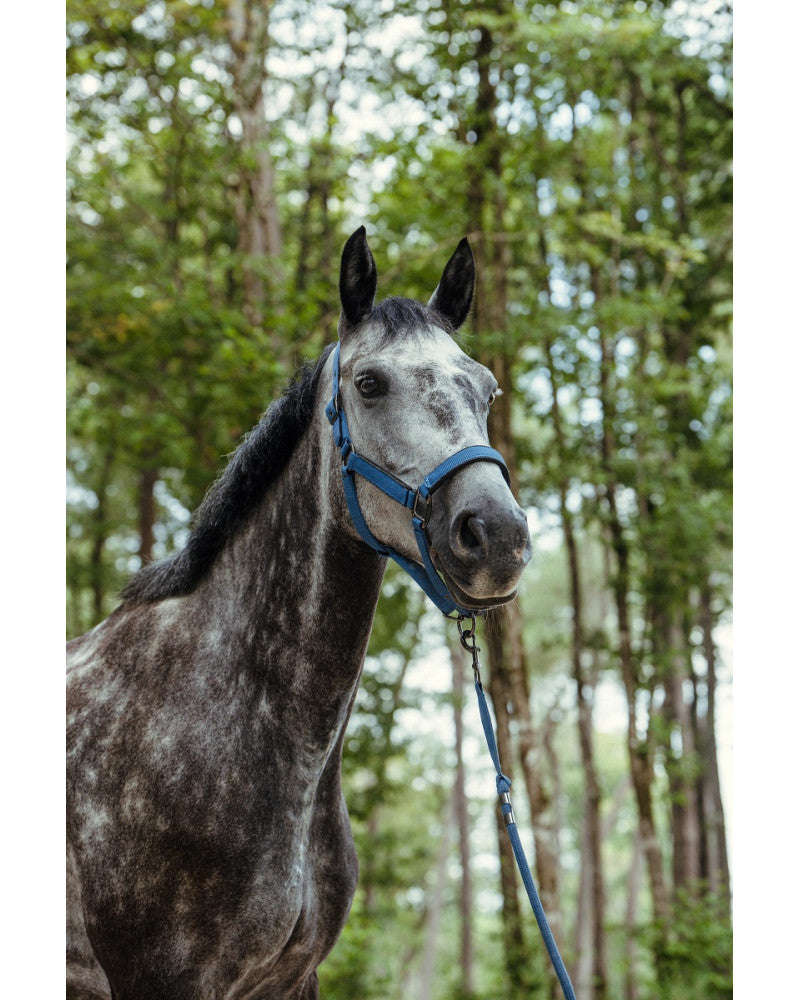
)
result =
(469, 642)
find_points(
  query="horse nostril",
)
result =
(523, 550)
(472, 537)
(496, 539)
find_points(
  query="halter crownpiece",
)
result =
(418, 501)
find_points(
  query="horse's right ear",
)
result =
(358, 280)
(453, 296)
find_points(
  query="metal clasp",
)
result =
(423, 516)
(469, 642)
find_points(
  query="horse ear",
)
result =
(453, 295)
(358, 279)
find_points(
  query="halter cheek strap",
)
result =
(418, 501)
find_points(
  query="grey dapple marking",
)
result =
(210, 852)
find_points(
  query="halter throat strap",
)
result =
(418, 501)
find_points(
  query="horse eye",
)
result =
(369, 386)
(494, 395)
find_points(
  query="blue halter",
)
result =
(418, 501)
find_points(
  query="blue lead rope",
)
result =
(503, 790)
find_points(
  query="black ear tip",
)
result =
(463, 254)
(358, 238)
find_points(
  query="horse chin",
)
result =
(478, 603)
(467, 600)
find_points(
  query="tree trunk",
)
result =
(466, 956)
(592, 971)
(259, 229)
(531, 755)
(581, 972)
(717, 871)
(638, 750)
(99, 528)
(147, 513)
(508, 687)
(434, 911)
(681, 759)
(513, 939)
(631, 910)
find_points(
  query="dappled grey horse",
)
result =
(209, 849)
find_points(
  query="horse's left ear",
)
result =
(358, 279)
(453, 295)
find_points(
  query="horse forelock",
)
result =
(257, 462)
(397, 317)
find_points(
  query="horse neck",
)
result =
(297, 591)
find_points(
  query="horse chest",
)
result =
(214, 851)
(313, 890)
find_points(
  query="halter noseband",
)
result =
(418, 501)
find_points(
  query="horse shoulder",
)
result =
(161, 756)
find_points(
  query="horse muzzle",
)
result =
(480, 545)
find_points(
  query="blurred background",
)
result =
(219, 154)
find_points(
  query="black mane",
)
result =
(257, 462)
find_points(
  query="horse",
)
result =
(209, 850)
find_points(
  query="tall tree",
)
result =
(257, 217)
(461, 810)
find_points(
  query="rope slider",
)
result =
(507, 809)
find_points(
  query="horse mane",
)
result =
(256, 463)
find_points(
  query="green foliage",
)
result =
(698, 957)
(605, 165)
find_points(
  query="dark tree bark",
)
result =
(681, 758)
(631, 988)
(508, 686)
(434, 909)
(638, 751)
(147, 513)
(639, 755)
(592, 973)
(259, 229)
(461, 805)
(716, 868)
(513, 939)
(99, 529)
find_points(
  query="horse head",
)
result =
(413, 399)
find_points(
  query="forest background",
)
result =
(218, 156)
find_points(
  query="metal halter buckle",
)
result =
(423, 516)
